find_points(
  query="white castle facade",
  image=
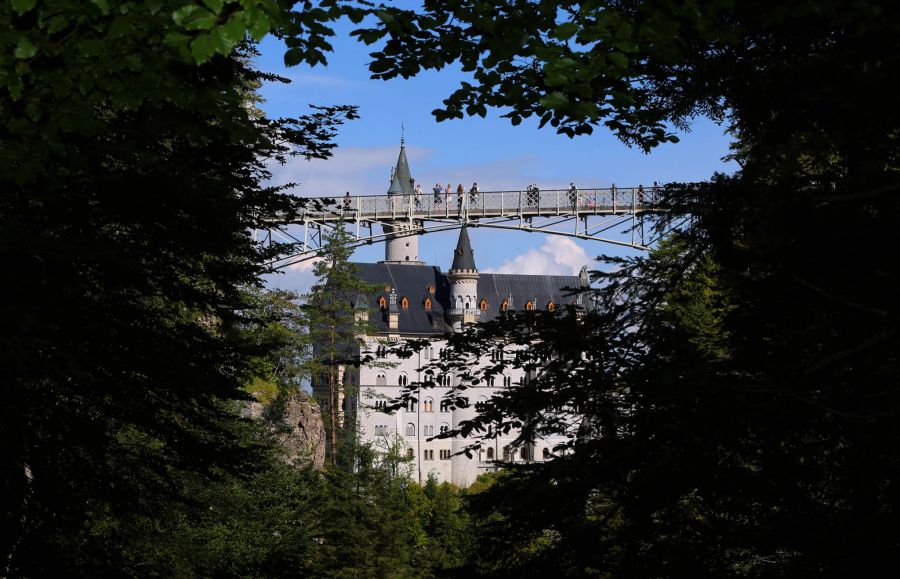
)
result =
(419, 301)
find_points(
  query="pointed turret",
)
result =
(463, 276)
(464, 256)
(402, 243)
(402, 181)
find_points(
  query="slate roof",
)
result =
(463, 256)
(402, 180)
(413, 282)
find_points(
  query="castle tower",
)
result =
(463, 276)
(402, 244)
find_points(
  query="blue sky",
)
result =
(489, 151)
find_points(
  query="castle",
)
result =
(416, 300)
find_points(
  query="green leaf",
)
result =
(25, 49)
(566, 30)
(23, 6)
(554, 100)
(103, 5)
(618, 59)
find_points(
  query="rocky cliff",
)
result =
(297, 424)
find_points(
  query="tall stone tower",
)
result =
(463, 277)
(402, 234)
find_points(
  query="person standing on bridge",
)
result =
(418, 194)
(460, 196)
(573, 195)
(640, 195)
(473, 195)
(437, 193)
(347, 200)
(448, 191)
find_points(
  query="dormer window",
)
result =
(551, 306)
(504, 305)
(428, 304)
(404, 303)
(382, 303)
(387, 287)
(483, 306)
(431, 289)
(529, 305)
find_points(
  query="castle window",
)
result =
(431, 289)
(411, 405)
(523, 454)
(402, 379)
(481, 403)
(428, 405)
(382, 303)
(429, 377)
(428, 431)
(483, 305)
(427, 455)
(490, 453)
(508, 453)
(410, 429)
(529, 305)
(404, 303)
(445, 405)
(428, 304)
(490, 381)
(507, 381)
(445, 428)
(551, 306)
(381, 351)
(387, 287)
(445, 454)
(381, 379)
(504, 305)
(410, 453)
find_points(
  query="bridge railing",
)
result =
(485, 204)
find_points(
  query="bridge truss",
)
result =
(619, 216)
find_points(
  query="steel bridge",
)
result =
(611, 215)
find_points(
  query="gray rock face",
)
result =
(297, 424)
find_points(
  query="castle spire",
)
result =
(464, 256)
(401, 180)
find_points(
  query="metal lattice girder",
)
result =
(592, 214)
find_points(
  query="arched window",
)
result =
(445, 380)
(490, 381)
(410, 453)
(529, 305)
(428, 405)
(404, 303)
(508, 453)
(523, 454)
(483, 305)
(551, 306)
(381, 351)
(431, 289)
(410, 429)
(445, 405)
(507, 381)
(402, 379)
(428, 304)
(490, 453)
(382, 303)
(381, 379)
(481, 403)
(546, 453)
(429, 377)
(411, 405)
(504, 305)
(444, 427)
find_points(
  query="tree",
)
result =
(129, 178)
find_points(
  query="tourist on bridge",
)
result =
(448, 191)
(438, 189)
(418, 194)
(640, 195)
(473, 195)
(460, 196)
(347, 200)
(573, 195)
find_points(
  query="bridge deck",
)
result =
(485, 204)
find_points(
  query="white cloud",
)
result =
(360, 170)
(556, 256)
